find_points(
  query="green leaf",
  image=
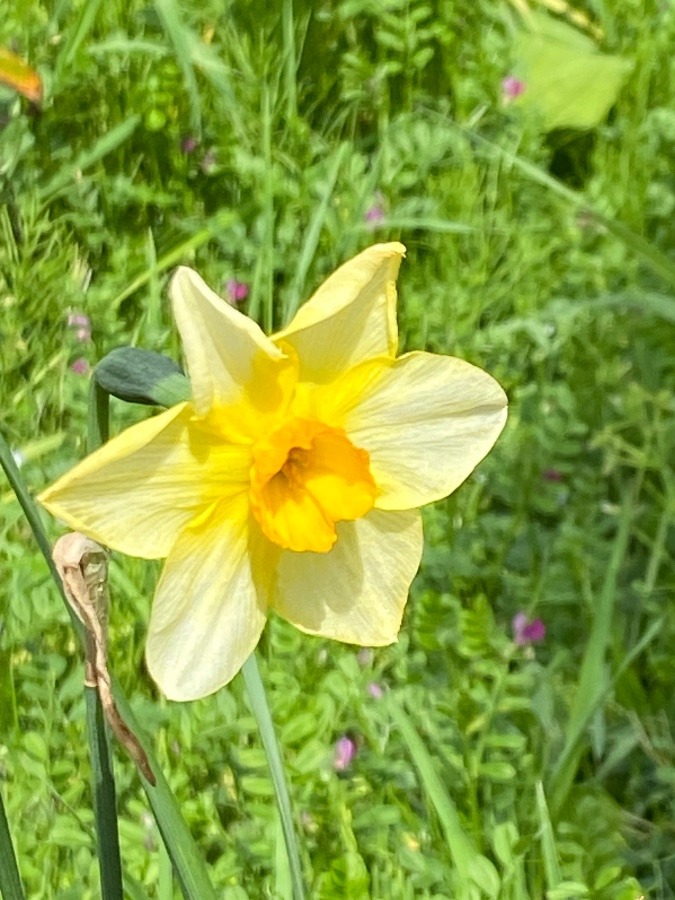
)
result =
(567, 80)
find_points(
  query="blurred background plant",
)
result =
(264, 144)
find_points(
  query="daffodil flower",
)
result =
(291, 481)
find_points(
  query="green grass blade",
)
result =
(549, 851)
(77, 35)
(103, 784)
(421, 223)
(655, 259)
(186, 859)
(265, 271)
(471, 865)
(261, 711)
(171, 18)
(10, 882)
(174, 256)
(593, 679)
(290, 60)
(312, 237)
(106, 144)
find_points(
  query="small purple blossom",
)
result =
(526, 631)
(345, 751)
(375, 215)
(188, 144)
(512, 88)
(82, 326)
(236, 290)
(80, 367)
(365, 657)
(375, 690)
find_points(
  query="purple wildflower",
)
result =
(80, 366)
(512, 88)
(188, 144)
(374, 215)
(375, 690)
(526, 631)
(345, 751)
(82, 326)
(236, 290)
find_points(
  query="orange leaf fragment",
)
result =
(17, 74)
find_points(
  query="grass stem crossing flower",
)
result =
(291, 481)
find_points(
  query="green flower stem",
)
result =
(187, 863)
(98, 417)
(103, 784)
(261, 711)
(10, 882)
(105, 806)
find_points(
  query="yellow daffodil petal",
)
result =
(207, 616)
(138, 491)
(426, 425)
(357, 592)
(226, 352)
(426, 421)
(350, 318)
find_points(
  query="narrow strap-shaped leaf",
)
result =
(186, 859)
(471, 865)
(658, 261)
(10, 882)
(594, 680)
(261, 711)
(105, 806)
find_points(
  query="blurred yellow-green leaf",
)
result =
(568, 81)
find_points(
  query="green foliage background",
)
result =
(303, 116)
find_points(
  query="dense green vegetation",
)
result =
(267, 143)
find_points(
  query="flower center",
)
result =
(305, 477)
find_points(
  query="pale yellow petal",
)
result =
(207, 616)
(137, 492)
(357, 592)
(224, 349)
(350, 318)
(426, 421)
